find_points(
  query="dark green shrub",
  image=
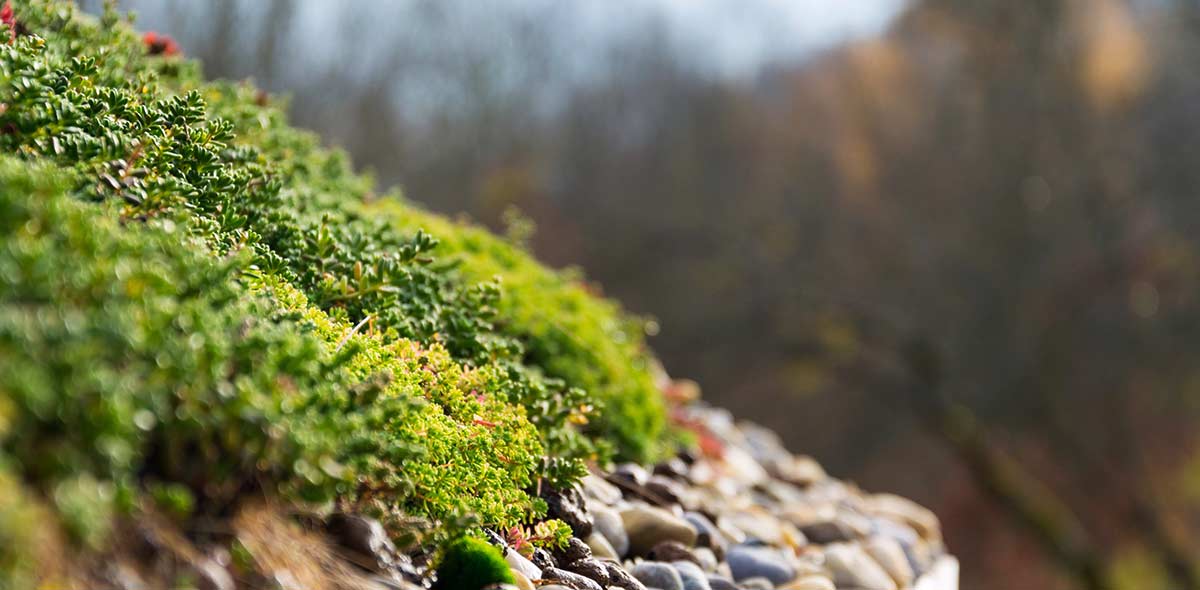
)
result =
(469, 563)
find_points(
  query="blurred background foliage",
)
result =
(949, 247)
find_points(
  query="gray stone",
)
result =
(814, 582)
(706, 558)
(671, 551)
(844, 526)
(575, 550)
(852, 567)
(590, 569)
(619, 578)
(596, 487)
(542, 558)
(758, 583)
(608, 523)
(721, 583)
(693, 577)
(647, 526)
(942, 575)
(757, 523)
(889, 554)
(707, 534)
(658, 575)
(747, 561)
(921, 519)
(519, 563)
(570, 579)
(666, 488)
(366, 539)
(632, 472)
(601, 547)
(673, 467)
(523, 582)
(567, 504)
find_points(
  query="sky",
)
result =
(432, 53)
(736, 36)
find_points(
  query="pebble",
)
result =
(666, 488)
(619, 578)
(943, 575)
(541, 558)
(647, 526)
(721, 583)
(706, 558)
(707, 534)
(522, 581)
(519, 563)
(601, 547)
(852, 567)
(568, 506)
(590, 569)
(608, 522)
(753, 562)
(809, 583)
(888, 553)
(758, 583)
(631, 472)
(673, 467)
(757, 524)
(570, 579)
(575, 550)
(693, 577)
(802, 470)
(740, 515)
(596, 487)
(743, 467)
(844, 526)
(921, 519)
(364, 537)
(658, 575)
(671, 551)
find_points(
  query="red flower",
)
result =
(159, 44)
(6, 14)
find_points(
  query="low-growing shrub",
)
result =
(198, 302)
(129, 354)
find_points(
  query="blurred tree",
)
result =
(1013, 183)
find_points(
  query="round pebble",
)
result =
(693, 577)
(608, 523)
(747, 561)
(658, 575)
(647, 526)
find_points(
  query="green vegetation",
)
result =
(469, 563)
(198, 302)
(566, 331)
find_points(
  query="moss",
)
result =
(470, 564)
